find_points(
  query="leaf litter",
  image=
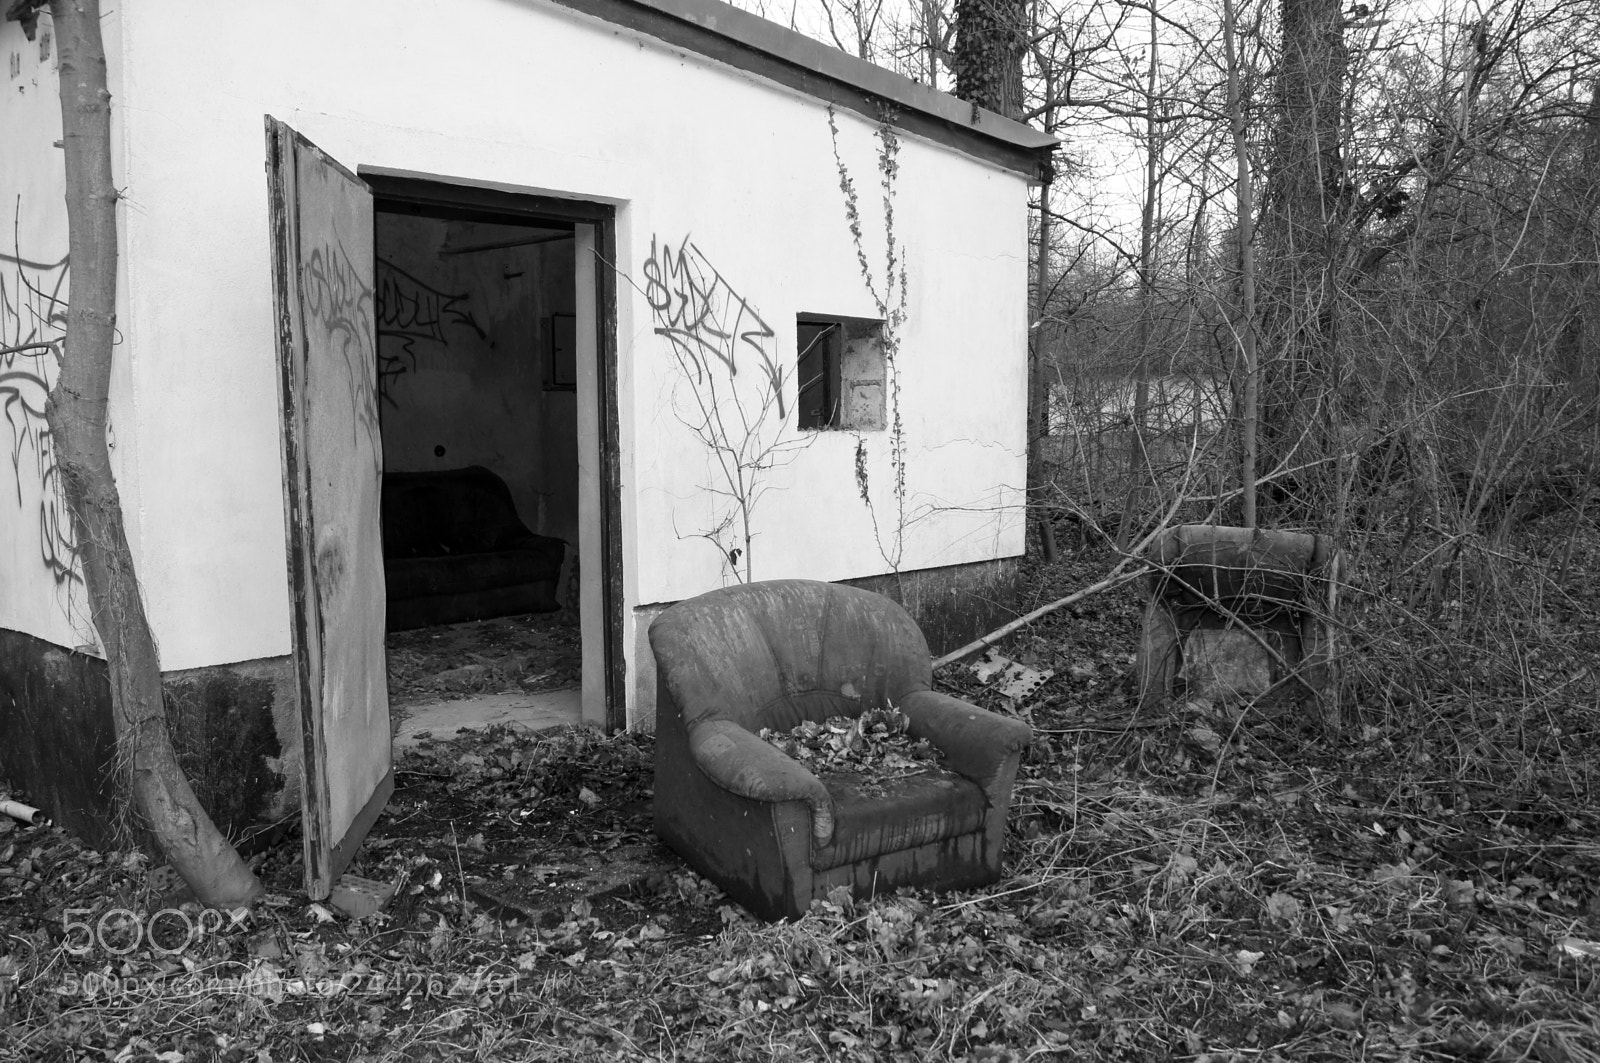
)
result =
(877, 745)
(528, 653)
(1201, 884)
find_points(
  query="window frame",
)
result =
(836, 332)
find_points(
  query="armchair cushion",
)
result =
(875, 817)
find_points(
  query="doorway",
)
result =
(496, 395)
(323, 224)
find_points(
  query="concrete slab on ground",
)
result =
(416, 721)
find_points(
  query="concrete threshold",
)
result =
(419, 721)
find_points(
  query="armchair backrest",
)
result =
(775, 653)
(1254, 573)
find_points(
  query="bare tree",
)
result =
(77, 415)
(1306, 197)
(1245, 226)
(854, 25)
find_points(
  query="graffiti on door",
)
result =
(338, 300)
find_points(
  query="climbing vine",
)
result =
(890, 300)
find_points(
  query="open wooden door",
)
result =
(333, 465)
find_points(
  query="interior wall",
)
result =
(463, 334)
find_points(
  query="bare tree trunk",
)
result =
(1306, 197)
(1140, 474)
(1246, 328)
(1574, 333)
(931, 15)
(1038, 386)
(990, 40)
(76, 413)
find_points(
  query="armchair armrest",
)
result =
(975, 742)
(741, 763)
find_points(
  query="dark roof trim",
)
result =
(749, 42)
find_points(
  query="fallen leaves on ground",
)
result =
(1208, 883)
(530, 653)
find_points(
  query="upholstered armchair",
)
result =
(1209, 579)
(761, 825)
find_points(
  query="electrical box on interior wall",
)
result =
(561, 353)
(840, 368)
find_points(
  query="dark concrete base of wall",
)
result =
(231, 725)
(953, 605)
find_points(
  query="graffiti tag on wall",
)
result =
(713, 332)
(706, 321)
(337, 298)
(412, 311)
(33, 311)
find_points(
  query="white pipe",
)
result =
(26, 813)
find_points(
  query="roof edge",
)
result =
(749, 42)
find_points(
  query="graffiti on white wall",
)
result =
(411, 311)
(33, 313)
(706, 321)
(711, 331)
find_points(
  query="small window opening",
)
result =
(840, 372)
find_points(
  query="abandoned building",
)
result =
(433, 314)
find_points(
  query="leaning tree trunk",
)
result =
(76, 413)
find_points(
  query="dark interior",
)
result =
(477, 395)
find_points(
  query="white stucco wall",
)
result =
(525, 96)
(41, 588)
